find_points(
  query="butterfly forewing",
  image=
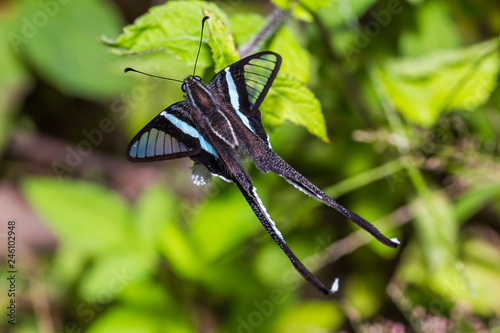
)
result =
(259, 74)
(169, 135)
(245, 84)
(248, 80)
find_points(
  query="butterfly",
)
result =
(220, 122)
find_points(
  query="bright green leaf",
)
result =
(149, 294)
(221, 41)
(290, 100)
(174, 27)
(296, 60)
(423, 88)
(130, 319)
(316, 5)
(309, 316)
(82, 215)
(362, 296)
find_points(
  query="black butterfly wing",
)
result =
(245, 85)
(172, 134)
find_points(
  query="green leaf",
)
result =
(82, 215)
(423, 88)
(362, 296)
(290, 100)
(316, 5)
(296, 60)
(221, 41)
(64, 50)
(309, 316)
(131, 319)
(174, 27)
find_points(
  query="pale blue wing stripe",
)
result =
(141, 153)
(168, 145)
(159, 143)
(207, 146)
(151, 142)
(191, 131)
(175, 145)
(234, 99)
(133, 150)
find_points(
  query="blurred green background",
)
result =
(390, 106)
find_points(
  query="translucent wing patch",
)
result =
(259, 73)
(156, 143)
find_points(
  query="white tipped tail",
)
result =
(335, 286)
(395, 240)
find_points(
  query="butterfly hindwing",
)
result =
(169, 135)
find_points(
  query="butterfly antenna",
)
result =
(201, 40)
(128, 69)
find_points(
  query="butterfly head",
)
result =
(197, 92)
(190, 83)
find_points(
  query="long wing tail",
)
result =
(230, 169)
(273, 162)
(250, 193)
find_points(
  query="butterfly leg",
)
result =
(243, 181)
(270, 161)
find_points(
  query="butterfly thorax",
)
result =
(211, 108)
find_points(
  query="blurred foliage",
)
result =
(404, 91)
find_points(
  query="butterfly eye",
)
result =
(197, 78)
(183, 87)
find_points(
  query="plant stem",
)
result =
(274, 22)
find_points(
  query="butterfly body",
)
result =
(220, 121)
